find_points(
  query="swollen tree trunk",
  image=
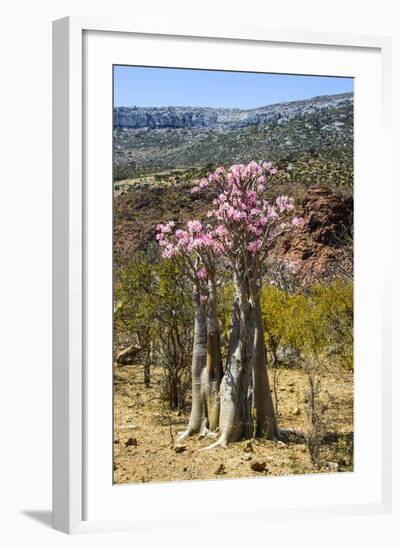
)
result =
(207, 369)
(236, 386)
(246, 406)
(266, 420)
(199, 357)
(213, 371)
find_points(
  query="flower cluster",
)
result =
(239, 208)
(241, 220)
(195, 246)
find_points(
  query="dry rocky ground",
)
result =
(145, 431)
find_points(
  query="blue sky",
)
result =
(160, 87)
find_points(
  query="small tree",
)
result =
(172, 320)
(134, 292)
(317, 411)
(155, 311)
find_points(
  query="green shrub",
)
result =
(320, 321)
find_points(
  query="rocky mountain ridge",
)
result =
(311, 140)
(209, 117)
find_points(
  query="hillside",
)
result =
(316, 249)
(161, 152)
(310, 139)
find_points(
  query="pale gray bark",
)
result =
(207, 369)
(266, 420)
(236, 387)
(213, 372)
(246, 406)
(199, 357)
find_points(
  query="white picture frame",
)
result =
(70, 286)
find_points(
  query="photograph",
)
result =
(233, 296)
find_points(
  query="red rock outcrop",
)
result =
(316, 249)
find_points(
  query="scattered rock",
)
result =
(128, 355)
(247, 456)
(180, 448)
(131, 441)
(220, 470)
(287, 355)
(258, 466)
(116, 441)
(281, 443)
(248, 447)
(333, 466)
(296, 411)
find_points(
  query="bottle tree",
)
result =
(242, 228)
(196, 252)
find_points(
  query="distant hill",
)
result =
(311, 139)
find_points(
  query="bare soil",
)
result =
(145, 433)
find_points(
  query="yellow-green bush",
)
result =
(316, 322)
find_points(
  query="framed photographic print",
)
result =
(219, 316)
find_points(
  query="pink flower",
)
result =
(231, 179)
(221, 231)
(165, 228)
(220, 171)
(183, 237)
(238, 169)
(195, 189)
(285, 203)
(169, 251)
(201, 273)
(194, 226)
(202, 240)
(255, 230)
(262, 221)
(269, 168)
(297, 221)
(251, 197)
(253, 169)
(270, 211)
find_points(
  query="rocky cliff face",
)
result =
(152, 118)
(193, 117)
(322, 247)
